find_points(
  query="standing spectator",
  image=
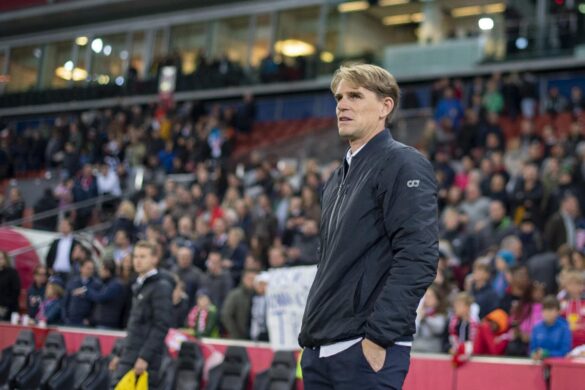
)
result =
(561, 227)
(219, 282)
(555, 103)
(528, 193)
(120, 248)
(77, 307)
(51, 308)
(85, 188)
(258, 311)
(306, 244)
(576, 102)
(496, 228)
(48, 202)
(481, 289)
(59, 259)
(13, 209)
(108, 182)
(235, 252)
(108, 298)
(493, 101)
(449, 107)
(431, 322)
(552, 336)
(504, 261)
(573, 305)
(524, 314)
(236, 311)
(246, 114)
(36, 292)
(10, 287)
(462, 328)
(204, 318)
(150, 318)
(191, 276)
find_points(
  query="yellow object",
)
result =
(131, 382)
(299, 369)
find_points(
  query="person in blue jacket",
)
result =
(77, 308)
(552, 336)
(51, 307)
(109, 297)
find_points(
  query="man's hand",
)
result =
(113, 363)
(375, 355)
(79, 291)
(140, 366)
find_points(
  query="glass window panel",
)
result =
(107, 62)
(138, 53)
(231, 38)
(23, 68)
(57, 65)
(296, 34)
(189, 41)
(83, 48)
(261, 45)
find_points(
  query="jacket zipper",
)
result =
(339, 196)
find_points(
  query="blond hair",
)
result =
(372, 78)
(464, 298)
(127, 209)
(147, 245)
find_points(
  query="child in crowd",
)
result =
(492, 336)
(431, 321)
(573, 305)
(462, 328)
(203, 318)
(50, 308)
(552, 336)
(482, 290)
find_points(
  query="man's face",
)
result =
(550, 315)
(144, 260)
(87, 270)
(184, 258)
(214, 263)
(360, 112)
(65, 227)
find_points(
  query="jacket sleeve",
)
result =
(564, 346)
(409, 205)
(227, 315)
(162, 314)
(109, 293)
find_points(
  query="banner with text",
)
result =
(286, 297)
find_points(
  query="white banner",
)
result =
(286, 296)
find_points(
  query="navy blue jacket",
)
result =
(487, 299)
(76, 309)
(34, 297)
(109, 300)
(379, 247)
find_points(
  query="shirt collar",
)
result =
(349, 155)
(141, 279)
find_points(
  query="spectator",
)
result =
(192, 277)
(36, 292)
(481, 290)
(13, 209)
(450, 108)
(10, 287)
(235, 252)
(572, 306)
(84, 189)
(236, 312)
(108, 182)
(475, 206)
(120, 248)
(124, 220)
(462, 328)
(258, 311)
(203, 318)
(47, 203)
(77, 307)
(551, 337)
(306, 244)
(555, 103)
(524, 315)
(519, 288)
(452, 229)
(493, 101)
(108, 298)
(496, 228)
(431, 322)
(504, 261)
(59, 259)
(180, 304)
(51, 307)
(576, 103)
(219, 282)
(277, 257)
(246, 114)
(491, 334)
(561, 227)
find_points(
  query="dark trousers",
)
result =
(349, 369)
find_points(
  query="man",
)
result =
(191, 276)
(237, 309)
(58, 258)
(379, 245)
(109, 298)
(561, 227)
(77, 308)
(219, 282)
(150, 318)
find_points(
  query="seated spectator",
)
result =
(236, 311)
(491, 336)
(218, 282)
(13, 208)
(124, 220)
(306, 244)
(77, 307)
(481, 289)
(573, 305)
(258, 320)
(51, 307)
(10, 287)
(108, 298)
(203, 318)
(36, 292)
(462, 328)
(192, 277)
(59, 258)
(431, 322)
(180, 304)
(552, 336)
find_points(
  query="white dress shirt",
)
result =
(63, 256)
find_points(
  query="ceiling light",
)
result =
(81, 41)
(69, 66)
(97, 45)
(521, 43)
(327, 57)
(77, 74)
(107, 50)
(417, 17)
(353, 6)
(294, 48)
(495, 8)
(485, 24)
(396, 19)
(387, 3)
(466, 11)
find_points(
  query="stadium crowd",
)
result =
(511, 275)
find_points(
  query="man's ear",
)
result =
(387, 107)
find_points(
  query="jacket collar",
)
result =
(372, 145)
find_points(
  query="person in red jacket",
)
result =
(492, 337)
(462, 328)
(573, 306)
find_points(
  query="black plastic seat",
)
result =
(25, 363)
(280, 376)
(189, 367)
(233, 373)
(54, 355)
(91, 371)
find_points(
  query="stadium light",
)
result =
(81, 41)
(294, 48)
(97, 45)
(353, 6)
(107, 50)
(521, 43)
(69, 65)
(486, 24)
(475, 10)
(395, 20)
(75, 74)
(119, 81)
(387, 3)
(327, 57)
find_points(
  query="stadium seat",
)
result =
(56, 364)
(168, 368)
(25, 363)
(189, 367)
(91, 371)
(233, 373)
(5, 359)
(280, 376)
